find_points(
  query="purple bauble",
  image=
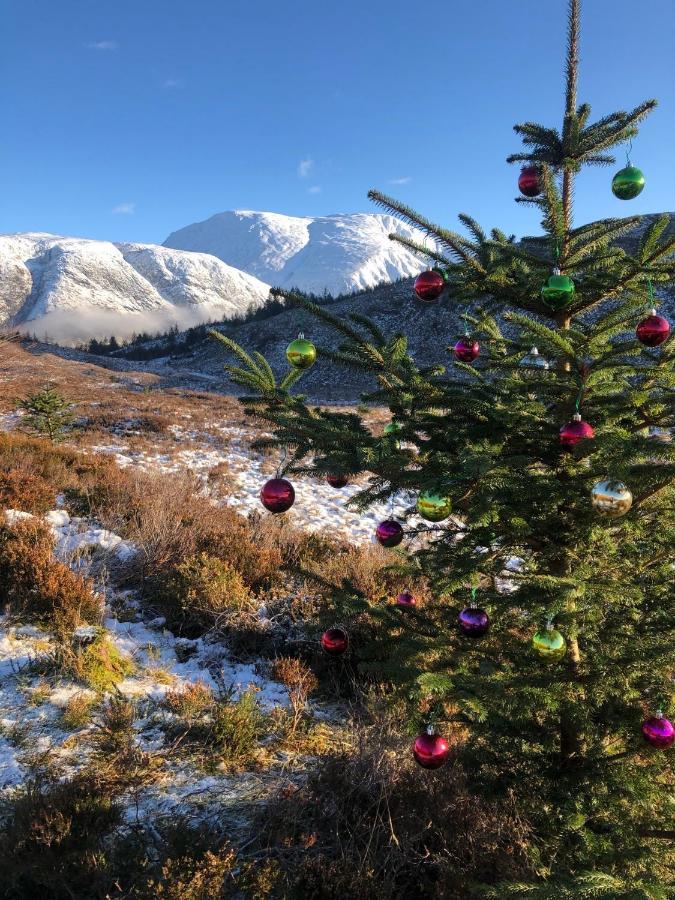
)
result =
(406, 599)
(528, 182)
(473, 622)
(466, 350)
(277, 495)
(389, 533)
(430, 751)
(659, 732)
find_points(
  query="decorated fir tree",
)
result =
(542, 484)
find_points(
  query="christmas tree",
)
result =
(540, 477)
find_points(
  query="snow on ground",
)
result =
(31, 707)
(317, 507)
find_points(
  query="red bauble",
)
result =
(337, 481)
(659, 732)
(430, 750)
(335, 641)
(466, 350)
(576, 430)
(429, 285)
(406, 599)
(389, 533)
(277, 495)
(653, 330)
(473, 622)
(528, 183)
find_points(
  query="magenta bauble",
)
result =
(429, 285)
(277, 495)
(389, 533)
(430, 750)
(337, 481)
(466, 350)
(335, 641)
(473, 622)
(576, 430)
(529, 181)
(659, 732)
(653, 330)
(406, 599)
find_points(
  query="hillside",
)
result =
(335, 254)
(71, 289)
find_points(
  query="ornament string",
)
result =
(628, 151)
(466, 325)
(650, 293)
(282, 462)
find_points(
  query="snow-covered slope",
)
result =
(338, 254)
(72, 289)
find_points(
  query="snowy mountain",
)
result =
(71, 289)
(339, 254)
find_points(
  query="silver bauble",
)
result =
(611, 498)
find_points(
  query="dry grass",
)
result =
(371, 825)
(38, 588)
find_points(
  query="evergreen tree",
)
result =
(48, 413)
(525, 542)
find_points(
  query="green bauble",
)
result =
(549, 644)
(558, 291)
(628, 183)
(392, 427)
(433, 507)
(301, 353)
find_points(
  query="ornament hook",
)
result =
(282, 462)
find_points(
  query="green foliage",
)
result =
(47, 413)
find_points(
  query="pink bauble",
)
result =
(389, 533)
(576, 430)
(466, 350)
(429, 285)
(659, 732)
(430, 751)
(335, 641)
(528, 182)
(277, 495)
(653, 330)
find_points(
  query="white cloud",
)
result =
(315, 189)
(305, 167)
(406, 179)
(102, 45)
(169, 83)
(124, 209)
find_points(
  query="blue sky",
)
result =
(126, 120)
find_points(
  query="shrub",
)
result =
(230, 728)
(52, 844)
(38, 587)
(237, 727)
(100, 665)
(191, 702)
(370, 824)
(78, 711)
(207, 592)
(20, 489)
